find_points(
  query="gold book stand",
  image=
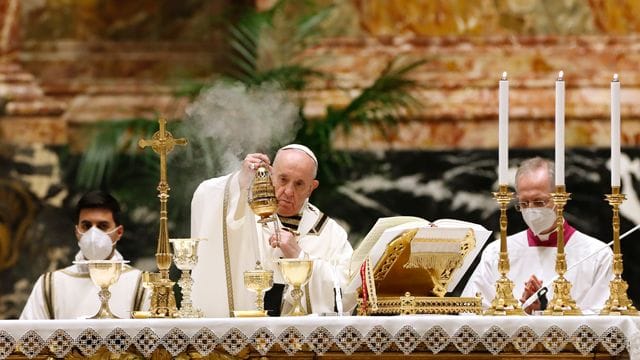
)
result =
(406, 282)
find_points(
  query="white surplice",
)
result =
(590, 279)
(74, 295)
(324, 241)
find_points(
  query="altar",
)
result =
(425, 336)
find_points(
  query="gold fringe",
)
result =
(436, 261)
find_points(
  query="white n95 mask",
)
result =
(539, 219)
(95, 244)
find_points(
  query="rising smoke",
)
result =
(241, 120)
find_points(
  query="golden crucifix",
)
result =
(163, 302)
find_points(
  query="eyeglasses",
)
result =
(531, 204)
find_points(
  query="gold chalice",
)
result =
(104, 273)
(185, 256)
(296, 272)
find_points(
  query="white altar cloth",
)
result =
(349, 334)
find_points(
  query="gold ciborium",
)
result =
(104, 273)
(257, 280)
(185, 256)
(296, 272)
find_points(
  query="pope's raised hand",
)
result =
(249, 166)
(287, 242)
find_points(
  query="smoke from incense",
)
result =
(241, 120)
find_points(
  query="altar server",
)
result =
(221, 214)
(532, 252)
(69, 293)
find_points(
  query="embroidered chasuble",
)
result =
(69, 293)
(219, 285)
(529, 255)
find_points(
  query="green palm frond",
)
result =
(382, 104)
(385, 100)
(262, 52)
(113, 147)
(308, 26)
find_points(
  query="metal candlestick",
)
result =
(163, 301)
(504, 303)
(562, 302)
(618, 302)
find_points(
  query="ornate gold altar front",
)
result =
(414, 281)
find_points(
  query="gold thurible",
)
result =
(618, 302)
(163, 302)
(562, 303)
(504, 303)
(262, 195)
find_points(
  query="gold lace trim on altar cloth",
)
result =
(229, 342)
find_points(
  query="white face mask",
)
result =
(95, 244)
(539, 219)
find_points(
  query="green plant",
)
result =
(380, 105)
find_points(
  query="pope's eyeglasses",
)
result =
(531, 204)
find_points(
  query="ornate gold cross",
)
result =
(162, 298)
(162, 142)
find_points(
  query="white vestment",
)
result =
(73, 295)
(321, 238)
(590, 279)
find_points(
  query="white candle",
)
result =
(560, 129)
(503, 129)
(615, 131)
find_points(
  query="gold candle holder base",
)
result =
(562, 303)
(618, 302)
(163, 301)
(504, 303)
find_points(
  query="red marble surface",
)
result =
(458, 88)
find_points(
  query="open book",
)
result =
(387, 229)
